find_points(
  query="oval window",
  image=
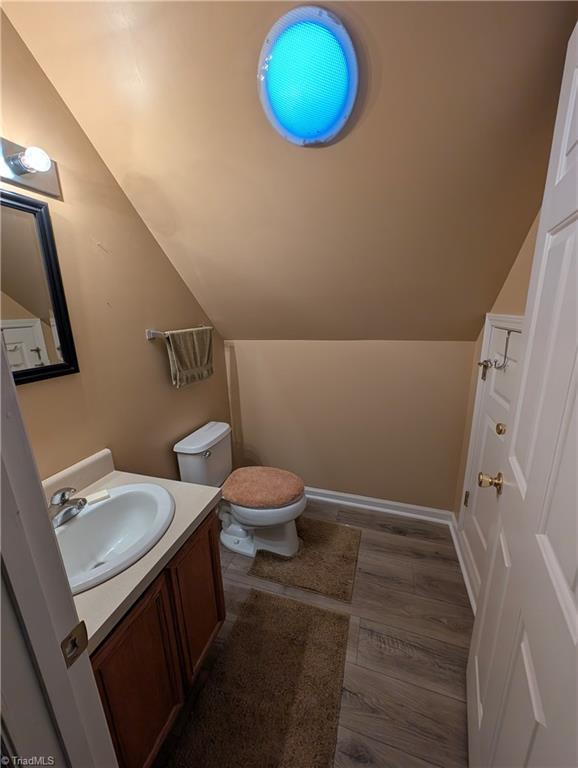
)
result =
(308, 76)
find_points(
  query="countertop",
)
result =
(103, 606)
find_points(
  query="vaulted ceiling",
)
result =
(405, 228)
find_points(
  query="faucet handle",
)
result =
(62, 496)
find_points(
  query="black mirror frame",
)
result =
(48, 246)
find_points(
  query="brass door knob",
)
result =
(501, 428)
(487, 481)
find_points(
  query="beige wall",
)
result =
(377, 418)
(389, 419)
(11, 309)
(118, 282)
(510, 301)
(512, 298)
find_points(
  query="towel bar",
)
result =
(152, 334)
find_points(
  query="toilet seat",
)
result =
(259, 509)
(257, 517)
(263, 487)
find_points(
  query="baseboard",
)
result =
(380, 505)
(432, 514)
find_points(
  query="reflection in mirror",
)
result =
(34, 319)
(28, 324)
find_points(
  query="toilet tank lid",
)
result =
(203, 438)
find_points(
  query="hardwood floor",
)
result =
(405, 716)
(431, 664)
(353, 750)
(403, 702)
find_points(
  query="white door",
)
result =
(492, 415)
(64, 706)
(522, 669)
(25, 345)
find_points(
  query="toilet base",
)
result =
(281, 539)
(242, 545)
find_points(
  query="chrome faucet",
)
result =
(63, 507)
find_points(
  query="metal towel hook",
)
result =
(486, 364)
(509, 331)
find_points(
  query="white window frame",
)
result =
(331, 22)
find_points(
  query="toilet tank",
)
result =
(205, 455)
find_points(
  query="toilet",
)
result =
(260, 504)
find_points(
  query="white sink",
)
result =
(107, 537)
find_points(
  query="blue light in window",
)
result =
(308, 74)
(307, 80)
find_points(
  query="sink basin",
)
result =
(107, 537)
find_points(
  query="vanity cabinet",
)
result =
(144, 666)
(138, 676)
(197, 590)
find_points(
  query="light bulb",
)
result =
(35, 160)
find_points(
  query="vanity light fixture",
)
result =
(31, 168)
(31, 160)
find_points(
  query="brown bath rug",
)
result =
(272, 698)
(325, 563)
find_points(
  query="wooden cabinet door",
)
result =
(138, 675)
(197, 585)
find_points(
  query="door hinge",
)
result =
(466, 498)
(75, 643)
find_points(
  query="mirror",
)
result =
(34, 319)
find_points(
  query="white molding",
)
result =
(431, 514)
(380, 505)
(515, 322)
